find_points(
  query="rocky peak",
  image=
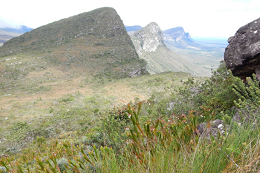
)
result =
(242, 55)
(149, 38)
(175, 34)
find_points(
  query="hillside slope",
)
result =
(93, 43)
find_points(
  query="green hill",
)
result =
(95, 42)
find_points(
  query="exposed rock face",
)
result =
(149, 38)
(178, 38)
(175, 34)
(242, 55)
(216, 127)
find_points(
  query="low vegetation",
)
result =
(157, 132)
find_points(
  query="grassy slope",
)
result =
(163, 59)
(43, 105)
(206, 58)
(75, 120)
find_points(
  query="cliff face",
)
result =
(242, 55)
(96, 40)
(148, 39)
(175, 34)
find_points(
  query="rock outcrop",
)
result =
(175, 34)
(178, 38)
(149, 38)
(213, 128)
(242, 55)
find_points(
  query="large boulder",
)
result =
(242, 55)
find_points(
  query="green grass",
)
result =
(89, 135)
(50, 114)
(159, 147)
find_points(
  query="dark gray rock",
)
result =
(246, 116)
(138, 72)
(242, 55)
(216, 127)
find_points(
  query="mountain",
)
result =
(176, 34)
(22, 29)
(8, 33)
(94, 42)
(206, 53)
(150, 46)
(79, 49)
(179, 38)
(133, 28)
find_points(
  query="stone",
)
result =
(216, 127)
(244, 117)
(242, 55)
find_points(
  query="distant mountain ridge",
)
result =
(150, 46)
(177, 37)
(133, 28)
(22, 29)
(7, 33)
(175, 34)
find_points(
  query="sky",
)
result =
(201, 18)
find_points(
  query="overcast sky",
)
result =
(201, 18)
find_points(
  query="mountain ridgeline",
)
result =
(95, 42)
(22, 29)
(7, 33)
(179, 38)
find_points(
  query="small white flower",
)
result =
(220, 126)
